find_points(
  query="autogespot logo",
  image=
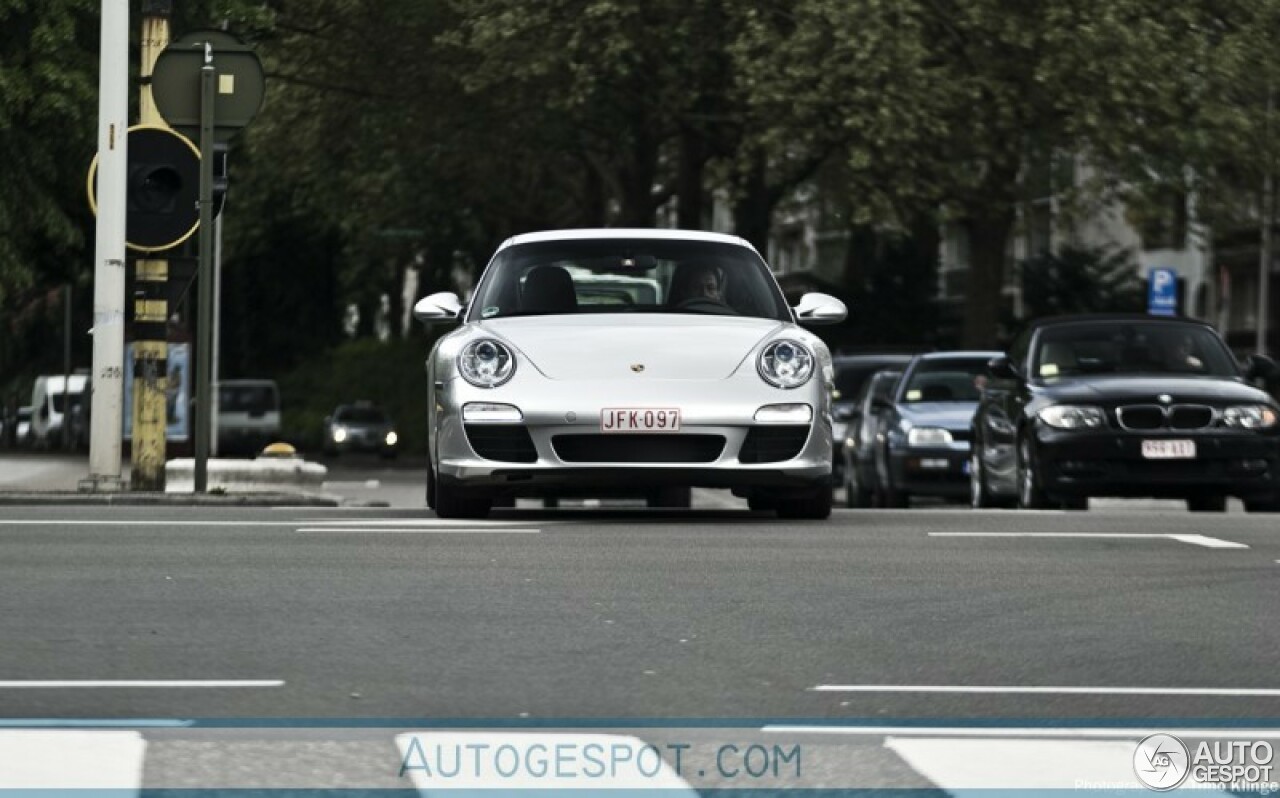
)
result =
(1161, 762)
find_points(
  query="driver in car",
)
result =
(701, 282)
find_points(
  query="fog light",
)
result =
(481, 412)
(785, 414)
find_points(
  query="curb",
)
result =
(126, 499)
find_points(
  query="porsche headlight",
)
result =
(1249, 417)
(786, 364)
(1073, 417)
(486, 363)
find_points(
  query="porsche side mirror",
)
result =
(820, 309)
(436, 308)
(1002, 368)
(1260, 367)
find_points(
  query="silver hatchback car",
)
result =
(629, 362)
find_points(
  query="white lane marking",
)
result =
(1194, 540)
(371, 484)
(426, 756)
(1128, 733)
(1018, 764)
(405, 522)
(349, 530)
(1045, 690)
(1208, 542)
(71, 760)
(47, 684)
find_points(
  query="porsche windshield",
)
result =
(628, 276)
(1127, 347)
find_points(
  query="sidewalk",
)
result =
(53, 478)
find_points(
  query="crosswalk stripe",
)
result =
(71, 760)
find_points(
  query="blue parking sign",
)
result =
(1162, 292)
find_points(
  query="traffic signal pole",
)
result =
(151, 305)
(204, 329)
(109, 255)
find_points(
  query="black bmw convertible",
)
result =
(1125, 406)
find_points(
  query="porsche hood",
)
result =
(658, 346)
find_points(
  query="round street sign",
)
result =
(162, 189)
(241, 84)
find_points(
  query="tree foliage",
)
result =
(1081, 280)
(419, 133)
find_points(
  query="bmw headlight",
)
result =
(486, 363)
(1073, 417)
(786, 364)
(928, 436)
(1249, 417)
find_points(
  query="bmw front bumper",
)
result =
(1111, 463)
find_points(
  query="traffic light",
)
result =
(163, 189)
(221, 179)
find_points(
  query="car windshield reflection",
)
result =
(1132, 348)
(628, 276)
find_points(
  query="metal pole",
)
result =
(215, 361)
(66, 368)
(204, 331)
(108, 274)
(1264, 261)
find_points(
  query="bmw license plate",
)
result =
(1169, 450)
(639, 419)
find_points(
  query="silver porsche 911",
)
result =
(628, 363)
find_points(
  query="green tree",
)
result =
(947, 102)
(1081, 280)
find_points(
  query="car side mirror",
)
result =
(1002, 368)
(818, 309)
(1260, 367)
(843, 413)
(442, 307)
(879, 404)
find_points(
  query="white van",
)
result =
(50, 398)
(248, 415)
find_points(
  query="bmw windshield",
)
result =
(1132, 347)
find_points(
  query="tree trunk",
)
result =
(593, 196)
(637, 178)
(690, 195)
(753, 207)
(989, 230)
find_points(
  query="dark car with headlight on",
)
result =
(360, 427)
(922, 438)
(700, 377)
(1125, 406)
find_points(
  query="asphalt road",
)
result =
(1126, 617)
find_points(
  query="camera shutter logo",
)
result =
(1161, 762)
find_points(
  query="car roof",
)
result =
(1050, 321)
(662, 234)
